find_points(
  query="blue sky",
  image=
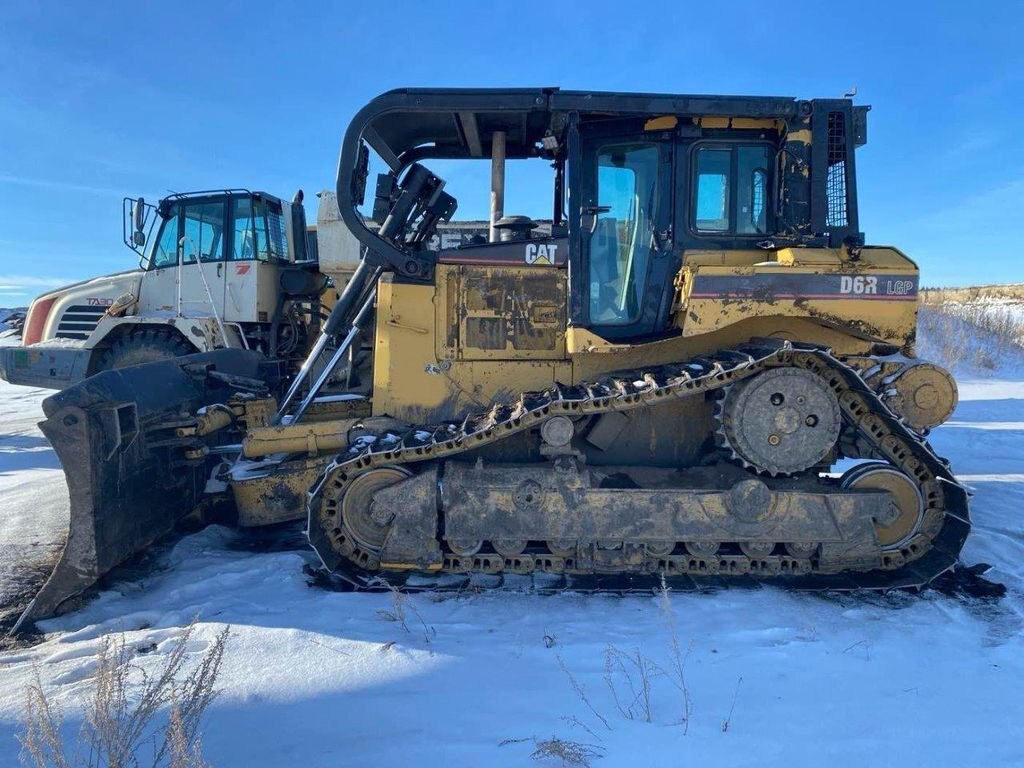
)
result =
(99, 100)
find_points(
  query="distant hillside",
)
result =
(1006, 292)
(977, 328)
(12, 319)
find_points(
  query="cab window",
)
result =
(277, 236)
(713, 191)
(244, 245)
(165, 252)
(203, 232)
(730, 190)
(259, 231)
(620, 247)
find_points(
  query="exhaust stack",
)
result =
(497, 182)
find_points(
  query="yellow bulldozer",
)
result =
(694, 370)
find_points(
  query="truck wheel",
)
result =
(144, 346)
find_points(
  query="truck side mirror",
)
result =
(139, 219)
(139, 212)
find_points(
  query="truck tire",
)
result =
(145, 345)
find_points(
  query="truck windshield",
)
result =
(197, 228)
(204, 232)
(165, 251)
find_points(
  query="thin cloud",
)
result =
(63, 186)
(982, 213)
(11, 283)
(977, 141)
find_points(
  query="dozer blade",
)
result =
(129, 480)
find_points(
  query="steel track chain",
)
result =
(871, 430)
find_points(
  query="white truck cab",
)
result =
(226, 268)
(220, 268)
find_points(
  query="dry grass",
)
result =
(977, 325)
(998, 309)
(401, 607)
(581, 693)
(569, 752)
(945, 338)
(630, 677)
(1005, 292)
(122, 726)
(728, 718)
(679, 658)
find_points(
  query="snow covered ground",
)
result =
(33, 496)
(318, 678)
(10, 321)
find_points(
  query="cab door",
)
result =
(625, 231)
(259, 248)
(202, 244)
(191, 239)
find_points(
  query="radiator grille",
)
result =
(78, 321)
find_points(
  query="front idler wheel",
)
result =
(353, 525)
(907, 502)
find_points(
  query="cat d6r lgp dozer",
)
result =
(694, 369)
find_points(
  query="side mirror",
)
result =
(139, 213)
(139, 219)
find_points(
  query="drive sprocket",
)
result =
(780, 422)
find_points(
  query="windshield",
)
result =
(197, 228)
(165, 248)
(257, 230)
(204, 232)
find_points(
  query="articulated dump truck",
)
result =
(697, 371)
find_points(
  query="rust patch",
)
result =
(853, 324)
(283, 497)
(453, 309)
(506, 308)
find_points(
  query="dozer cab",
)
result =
(695, 369)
